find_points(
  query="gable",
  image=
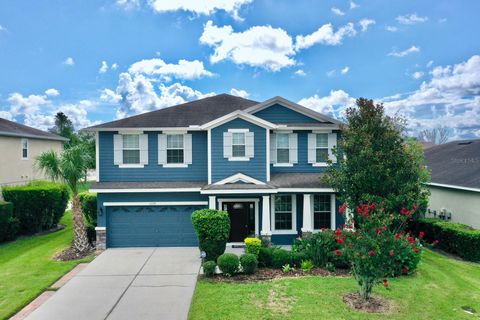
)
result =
(281, 114)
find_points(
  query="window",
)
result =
(24, 148)
(238, 144)
(175, 150)
(131, 149)
(283, 148)
(283, 212)
(321, 147)
(322, 211)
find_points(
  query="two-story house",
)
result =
(260, 162)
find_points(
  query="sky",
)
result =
(101, 60)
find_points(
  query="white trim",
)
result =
(130, 132)
(451, 186)
(100, 228)
(239, 191)
(283, 164)
(149, 190)
(294, 215)
(156, 203)
(255, 200)
(305, 190)
(238, 114)
(266, 222)
(268, 153)
(321, 131)
(97, 156)
(174, 131)
(238, 159)
(320, 164)
(212, 203)
(307, 213)
(238, 130)
(174, 165)
(209, 155)
(143, 129)
(132, 165)
(239, 177)
(306, 128)
(333, 206)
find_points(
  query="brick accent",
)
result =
(101, 243)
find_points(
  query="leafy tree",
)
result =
(69, 167)
(64, 127)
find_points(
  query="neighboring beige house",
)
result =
(455, 186)
(19, 146)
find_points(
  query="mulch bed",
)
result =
(72, 254)
(263, 274)
(375, 304)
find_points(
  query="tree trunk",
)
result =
(366, 288)
(80, 241)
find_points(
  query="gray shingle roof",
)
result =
(455, 163)
(195, 112)
(298, 180)
(13, 129)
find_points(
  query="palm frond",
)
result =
(49, 163)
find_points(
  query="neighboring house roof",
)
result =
(13, 129)
(426, 145)
(455, 163)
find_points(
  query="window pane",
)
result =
(321, 211)
(24, 153)
(283, 221)
(282, 140)
(322, 155)
(238, 138)
(238, 150)
(175, 141)
(322, 140)
(283, 156)
(175, 156)
(131, 141)
(321, 220)
(283, 203)
(321, 202)
(131, 156)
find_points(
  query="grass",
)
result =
(438, 290)
(27, 268)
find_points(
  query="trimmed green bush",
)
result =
(9, 225)
(455, 238)
(228, 263)
(265, 257)
(38, 206)
(298, 257)
(281, 257)
(249, 263)
(88, 200)
(209, 268)
(252, 245)
(212, 228)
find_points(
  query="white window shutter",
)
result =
(249, 144)
(143, 143)
(293, 147)
(187, 145)
(227, 144)
(117, 149)
(332, 142)
(162, 149)
(312, 141)
(273, 148)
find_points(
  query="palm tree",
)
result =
(69, 167)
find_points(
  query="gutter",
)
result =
(450, 186)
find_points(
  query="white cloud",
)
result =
(103, 67)
(345, 70)
(204, 7)
(185, 70)
(239, 93)
(110, 96)
(331, 73)
(52, 92)
(333, 104)
(114, 66)
(405, 52)
(337, 11)
(411, 18)
(353, 5)
(6, 115)
(2, 28)
(20, 104)
(69, 61)
(391, 28)
(325, 35)
(128, 4)
(429, 63)
(258, 46)
(417, 75)
(300, 72)
(365, 23)
(460, 78)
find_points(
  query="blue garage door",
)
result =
(150, 226)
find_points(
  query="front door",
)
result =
(242, 219)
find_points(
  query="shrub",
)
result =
(88, 201)
(455, 238)
(252, 245)
(249, 263)
(281, 257)
(38, 206)
(265, 255)
(298, 257)
(287, 268)
(212, 228)
(8, 223)
(319, 247)
(228, 263)
(209, 268)
(306, 266)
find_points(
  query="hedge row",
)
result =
(455, 238)
(88, 201)
(8, 223)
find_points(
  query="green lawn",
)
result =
(439, 289)
(27, 268)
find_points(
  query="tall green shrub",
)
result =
(213, 229)
(9, 225)
(88, 200)
(38, 206)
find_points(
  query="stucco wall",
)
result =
(464, 205)
(15, 170)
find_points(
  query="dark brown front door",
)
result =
(242, 219)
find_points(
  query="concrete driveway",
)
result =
(137, 283)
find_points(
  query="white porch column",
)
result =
(333, 205)
(211, 202)
(307, 213)
(266, 227)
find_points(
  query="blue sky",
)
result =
(100, 60)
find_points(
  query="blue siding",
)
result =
(256, 167)
(197, 171)
(280, 114)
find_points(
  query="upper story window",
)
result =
(283, 149)
(322, 211)
(131, 149)
(238, 144)
(321, 147)
(175, 148)
(24, 149)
